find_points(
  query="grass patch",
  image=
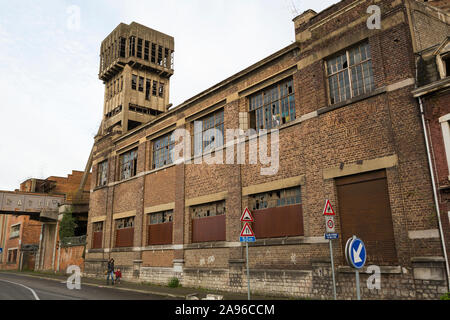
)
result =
(174, 283)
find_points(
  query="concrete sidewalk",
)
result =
(163, 291)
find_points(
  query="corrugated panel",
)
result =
(364, 211)
(278, 222)
(125, 237)
(209, 229)
(98, 239)
(160, 233)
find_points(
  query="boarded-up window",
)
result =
(125, 232)
(277, 213)
(364, 211)
(208, 222)
(97, 235)
(160, 228)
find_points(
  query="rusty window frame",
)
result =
(128, 164)
(275, 198)
(162, 151)
(124, 223)
(273, 106)
(102, 173)
(160, 217)
(350, 73)
(210, 209)
(97, 226)
(214, 120)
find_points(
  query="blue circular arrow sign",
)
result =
(357, 253)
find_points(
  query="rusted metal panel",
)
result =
(278, 222)
(209, 229)
(160, 233)
(364, 211)
(125, 237)
(98, 240)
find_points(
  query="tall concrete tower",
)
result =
(136, 64)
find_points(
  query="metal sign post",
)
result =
(248, 273)
(329, 214)
(332, 268)
(247, 236)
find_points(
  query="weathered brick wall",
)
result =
(384, 123)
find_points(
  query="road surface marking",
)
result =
(32, 291)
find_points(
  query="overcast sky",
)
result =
(51, 99)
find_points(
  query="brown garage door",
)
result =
(365, 211)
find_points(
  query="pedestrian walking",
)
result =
(110, 271)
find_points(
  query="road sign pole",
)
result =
(332, 268)
(248, 272)
(358, 293)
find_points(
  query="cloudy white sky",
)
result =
(51, 98)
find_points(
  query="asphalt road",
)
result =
(18, 287)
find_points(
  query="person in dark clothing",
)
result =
(110, 271)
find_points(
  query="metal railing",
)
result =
(74, 241)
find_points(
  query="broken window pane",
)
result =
(102, 173)
(163, 151)
(347, 79)
(208, 210)
(161, 217)
(276, 198)
(273, 106)
(161, 89)
(128, 164)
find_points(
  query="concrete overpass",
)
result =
(41, 207)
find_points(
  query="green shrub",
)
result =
(174, 282)
(446, 296)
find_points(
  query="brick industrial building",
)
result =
(349, 130)
(29, 223)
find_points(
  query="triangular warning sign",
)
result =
(247, 231)
(328, 210)
(246, 216)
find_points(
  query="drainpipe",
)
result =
(436, 202)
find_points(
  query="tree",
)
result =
(67, 225)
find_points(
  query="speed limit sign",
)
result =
(329, 222)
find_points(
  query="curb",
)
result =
(103, 286)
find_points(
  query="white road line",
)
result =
(32, 291)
